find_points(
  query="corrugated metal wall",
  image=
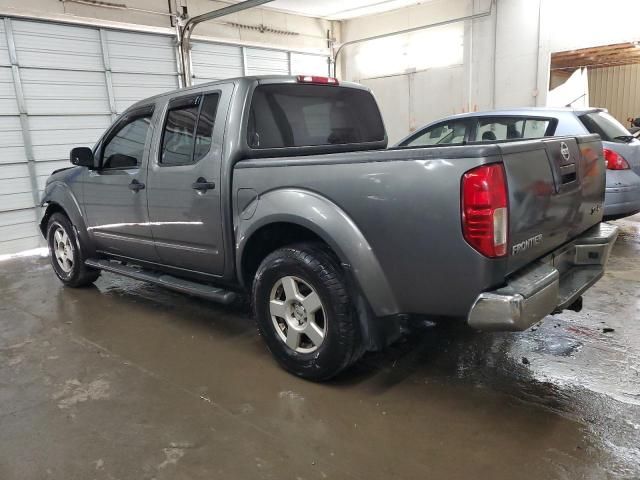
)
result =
(616, 89)
(17, 212)
(62, 85)
(215, 61)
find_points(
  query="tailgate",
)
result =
(556, 192)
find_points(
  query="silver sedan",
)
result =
(621, 149)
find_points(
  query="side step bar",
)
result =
(185, 286)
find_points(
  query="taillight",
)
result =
(614, 160)
(317, 80)
(485, 213)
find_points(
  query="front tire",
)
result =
(303, 310)
(66, 254)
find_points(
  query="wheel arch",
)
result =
(58, 198)
(305, 215)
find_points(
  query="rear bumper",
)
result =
(551, 284)
(622, 195)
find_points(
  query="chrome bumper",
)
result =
(549, 285)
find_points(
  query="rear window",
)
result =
(605, 125)
(292, 115)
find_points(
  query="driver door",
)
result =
(115, 195)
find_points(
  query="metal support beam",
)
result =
(409, 30)
(185, 35)
(107, 74)
(245, 65)
(178, 50)
(24, 120)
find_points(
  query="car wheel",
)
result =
(304, 312)
(66, 253)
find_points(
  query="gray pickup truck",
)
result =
(281, 187)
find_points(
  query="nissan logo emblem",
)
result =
(564, 150)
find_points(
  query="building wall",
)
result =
(616, 89)
(507, 66)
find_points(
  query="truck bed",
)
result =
(406, 204)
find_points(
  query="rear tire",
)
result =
(303, 310)
(66, 253)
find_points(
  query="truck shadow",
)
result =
(454, 354)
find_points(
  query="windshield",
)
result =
(606, 126)
(294, 115)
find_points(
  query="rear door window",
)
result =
(446, 133)
(186, 138)
(178, 136)
(294, 115)
(493, 129)
(606, 126)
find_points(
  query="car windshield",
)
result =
(606, 126)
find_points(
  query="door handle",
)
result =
(136, 186)
(202, 185)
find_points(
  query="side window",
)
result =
(126, 147)
(204, 130)
(493, 129)
(177, 138)
(187, 133)
(535, 127)
(446, 133)
(498, 128)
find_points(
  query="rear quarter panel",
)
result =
(406, 204)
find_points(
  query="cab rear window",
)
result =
(293, 115)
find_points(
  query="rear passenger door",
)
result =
(184, 182)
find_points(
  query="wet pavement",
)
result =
(129, 381)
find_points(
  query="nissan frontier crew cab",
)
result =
(281, 187)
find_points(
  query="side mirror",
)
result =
(82, 156)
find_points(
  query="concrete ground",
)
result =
(129, 381)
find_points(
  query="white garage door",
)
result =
(71, 82)
(62, 85)
(216, 61)
(142, 65)
(17, 213)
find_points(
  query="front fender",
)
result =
(58, 195)
(328, 221)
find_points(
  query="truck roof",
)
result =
(262, 79)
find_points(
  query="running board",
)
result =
(185, 286)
